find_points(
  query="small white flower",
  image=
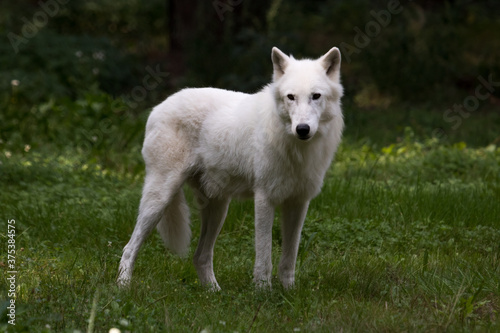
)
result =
(8, 154)
(27, 148)
(98, 55)
(124, 322)
(15, 83)
(114, 330)
(79, 54)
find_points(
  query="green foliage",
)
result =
(95, 126)
(53, 65)
(385, 126)
(393, 243)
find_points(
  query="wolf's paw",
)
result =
(288, 283)
(123, 282)
(214, 287)
(262, 285)
(211, 286)
(287, 280)
(124, 278)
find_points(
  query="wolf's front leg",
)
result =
(213, 215)
(293, 215)
(264, 216)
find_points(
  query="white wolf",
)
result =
(275, 145)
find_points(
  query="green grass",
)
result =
(402, 238)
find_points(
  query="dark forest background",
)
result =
(65, 62)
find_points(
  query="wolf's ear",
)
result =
(331, 63)
(280, 62)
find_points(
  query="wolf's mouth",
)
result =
(304, 138)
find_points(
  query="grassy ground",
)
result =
(404, 237)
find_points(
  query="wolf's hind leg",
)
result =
(158, 193)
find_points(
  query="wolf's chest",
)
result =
(285, 176)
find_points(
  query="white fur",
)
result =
(230, 144)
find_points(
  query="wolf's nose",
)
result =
(303, 131)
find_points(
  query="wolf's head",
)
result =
(307, 92)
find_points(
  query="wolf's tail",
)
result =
(174, 225)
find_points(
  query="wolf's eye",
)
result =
(290, 97)
(316, 96)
